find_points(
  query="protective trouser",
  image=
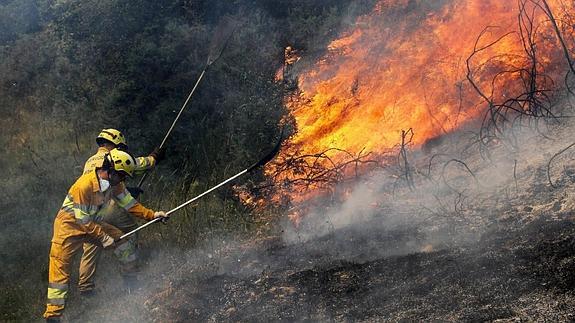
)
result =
(126, 253)
(66, 242)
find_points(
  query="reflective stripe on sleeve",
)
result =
(68, 205)
(131, 204)
(68, 201)
(125, 200)
(69, 210)
(81, 214)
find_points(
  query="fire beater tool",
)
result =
(261, 162)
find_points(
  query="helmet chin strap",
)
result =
(112, 178)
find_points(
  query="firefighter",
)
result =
(107, 140)
(78, 221)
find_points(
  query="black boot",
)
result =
(88, 293)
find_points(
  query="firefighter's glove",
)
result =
(135, 191)
(161, 214)
(158, 154)
(108, 242)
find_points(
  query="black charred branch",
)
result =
(430, 163)
(549, 14)
(313, 170)
(533, 89)
(515, 174)
(464, 165)
(551, 160)
(406, 140)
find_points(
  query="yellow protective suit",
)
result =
(76, 223)
(111, 215)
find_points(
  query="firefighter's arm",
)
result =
(95, 230)
(126, 201)
(144, 163)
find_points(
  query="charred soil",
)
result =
(506, 254)
(514, 272)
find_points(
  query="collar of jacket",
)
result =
(95, 181)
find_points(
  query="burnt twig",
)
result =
(550, 160)
(464, 165)
(403, 157)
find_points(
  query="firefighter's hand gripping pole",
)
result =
(262, 162)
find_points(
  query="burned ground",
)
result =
(524, 273)
(514, 271)
(506, 254)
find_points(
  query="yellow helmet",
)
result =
(121, 161)
(113, 136)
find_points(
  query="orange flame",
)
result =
(404, 66)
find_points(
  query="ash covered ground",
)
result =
(497, 246)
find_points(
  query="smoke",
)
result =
(451, 207)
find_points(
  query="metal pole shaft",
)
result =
(139, 228)
(208, 191)
(186, 203)
(183, 107)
